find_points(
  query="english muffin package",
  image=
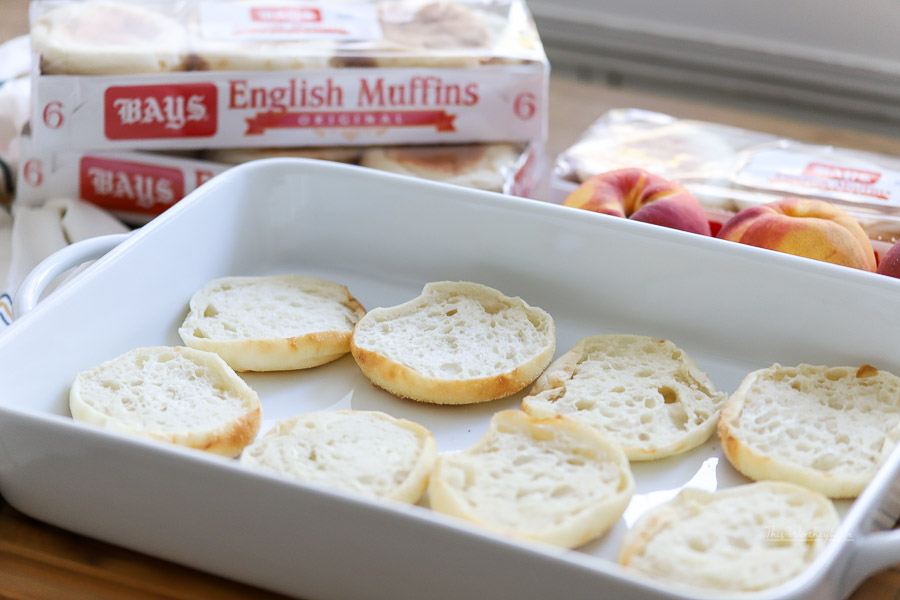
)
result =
(138, 185)
(189, 74)
(134, 186)
(729, 168)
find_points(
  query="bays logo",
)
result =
(129, 186)
(160, 111)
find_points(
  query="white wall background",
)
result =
(840, 54)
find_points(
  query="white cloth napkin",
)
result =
(30, 234)
(15, 94)
(15, 58)
(5, 261)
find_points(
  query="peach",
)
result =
(803, 227)
(641, 196)
(890, 262)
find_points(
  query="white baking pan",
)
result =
(733, 308)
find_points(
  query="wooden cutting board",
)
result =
(41, 562)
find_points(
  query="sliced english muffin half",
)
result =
(273, 323)
(746, 538)
(551, 480)
(172, 394)
(828, 428)
(456, 343)
(645, 393)
(362, 452)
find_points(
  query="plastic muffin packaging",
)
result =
(728, 168)
(199, 74)
(135, 186)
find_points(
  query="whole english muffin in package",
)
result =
(193, 74)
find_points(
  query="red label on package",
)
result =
(288, 22)
(787, 171)
(120, 185)
(143, 112)
(285, 14)
(841, 173)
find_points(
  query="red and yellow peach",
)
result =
(641, 196)
(803, 227)
(890, 262)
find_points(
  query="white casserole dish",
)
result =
(733, 308)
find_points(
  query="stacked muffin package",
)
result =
(136, 104)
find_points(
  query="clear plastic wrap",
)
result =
(729, 168)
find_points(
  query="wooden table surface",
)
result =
(38, 561)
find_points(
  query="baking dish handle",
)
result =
(874, 552)
(42, 276)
